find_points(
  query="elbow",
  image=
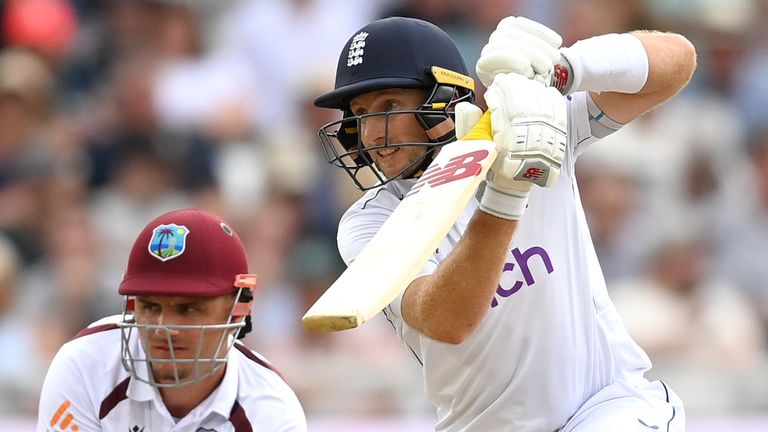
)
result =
(674, 63)
(685, 54)
(451, 322)
(453, 335)
(453, 338)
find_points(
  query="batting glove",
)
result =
(467, 114)
(529, 122)
(520, 45)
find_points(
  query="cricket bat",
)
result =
(407, 239)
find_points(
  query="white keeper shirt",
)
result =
(551, 338)
(87, 389)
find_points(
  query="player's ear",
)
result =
(433, 114)
(244, 330)
(245, 298)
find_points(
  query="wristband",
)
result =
(612, 62)
(504, 203)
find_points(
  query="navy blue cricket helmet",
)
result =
(395, 52)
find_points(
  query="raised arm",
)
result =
(627, 74)
(671, 62)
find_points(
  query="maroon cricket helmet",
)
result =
(186, 253)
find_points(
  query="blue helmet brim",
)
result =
(339, 98)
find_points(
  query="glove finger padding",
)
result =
(496, 59)
(529, 127)
(522, 46)
(533, 28)
(466, 115)
(542, 55)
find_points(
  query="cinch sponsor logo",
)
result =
(64, 420)
(522, 261)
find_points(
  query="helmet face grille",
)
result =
(343, 147)
(342, 140)
(177, 366)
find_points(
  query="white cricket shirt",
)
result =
(552, 337)
(87, 389)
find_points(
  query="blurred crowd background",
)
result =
(114, 111)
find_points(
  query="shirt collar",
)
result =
(225, 395)
(401, 187)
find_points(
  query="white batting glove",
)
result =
(520, 45)
(467, 114)
(529, 127)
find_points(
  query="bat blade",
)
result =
(404, 243)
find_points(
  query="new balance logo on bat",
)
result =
(457, 168)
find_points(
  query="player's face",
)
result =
(184, 343)
(393, 129)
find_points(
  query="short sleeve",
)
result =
(64, 399)
(586, 124)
